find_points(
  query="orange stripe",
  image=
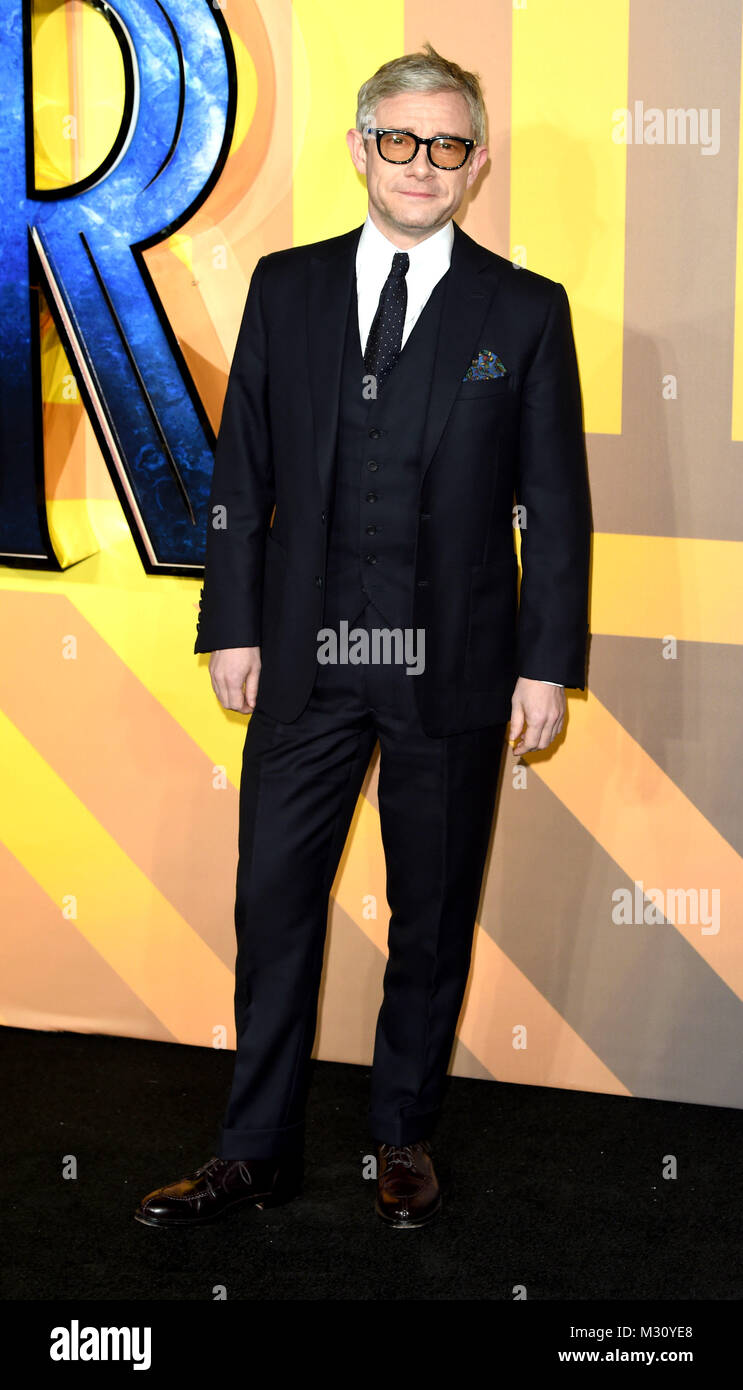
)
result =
(500, 999)
(150, 786)
(499, 995)
(113, 904)
(653, 831)
(481, 45)
(77, 990)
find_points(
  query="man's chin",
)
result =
(415, 214)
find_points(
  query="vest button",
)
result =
(371, 530)
(371, 496)
(322, 516)
(374, 433)
(372, 559)
(372, 466)
(318, 580)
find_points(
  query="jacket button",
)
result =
(318, 580)
(322, 516)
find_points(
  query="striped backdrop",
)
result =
(608, 953)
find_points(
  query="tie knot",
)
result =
(400, 263)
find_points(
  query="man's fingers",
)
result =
(532, 738)
(544, 735)
(229, 693)
(538, 737)
(234, 675)
(251, 688)
(521, 731)
(219, 689)
(547, 705)
(230, 697)
(517, 722)
(237, 699)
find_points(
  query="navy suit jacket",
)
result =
(487, 444)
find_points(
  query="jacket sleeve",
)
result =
(552, 487)
(241, 498)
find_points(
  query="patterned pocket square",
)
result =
(484, 366)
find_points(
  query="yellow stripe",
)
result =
(72, 536)
(150, 622)
(335, 47)
(119, 911)
(568, 177)
(61, 152)
(643, 586)
(658, 586)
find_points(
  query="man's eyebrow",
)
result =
(437, 135)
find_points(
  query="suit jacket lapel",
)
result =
(471, 282)
(332, 277)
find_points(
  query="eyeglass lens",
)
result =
(399, 147)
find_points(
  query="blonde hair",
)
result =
(425, 71)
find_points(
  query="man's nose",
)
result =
(420, 161)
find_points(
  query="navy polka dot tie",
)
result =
(385, 335)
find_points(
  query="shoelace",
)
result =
(398, 1153)
(206, 1168)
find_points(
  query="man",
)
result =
(393, 389)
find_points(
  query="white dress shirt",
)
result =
(429, 260)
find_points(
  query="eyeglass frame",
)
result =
(419, 140)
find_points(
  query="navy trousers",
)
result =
(299, 786)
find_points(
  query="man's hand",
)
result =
(539, 707)
(235, 672)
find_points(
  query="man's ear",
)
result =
(477, 159)
(355, 142)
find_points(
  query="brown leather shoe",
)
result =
(408, 1193)
(218, 1187)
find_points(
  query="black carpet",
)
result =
(560, 1193)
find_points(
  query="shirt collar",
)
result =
(376, 249)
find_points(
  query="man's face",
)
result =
(409, 202)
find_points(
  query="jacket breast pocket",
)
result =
(497, 388)
(492, 625)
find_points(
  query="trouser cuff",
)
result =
(260, 1143)
(402, 1129)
